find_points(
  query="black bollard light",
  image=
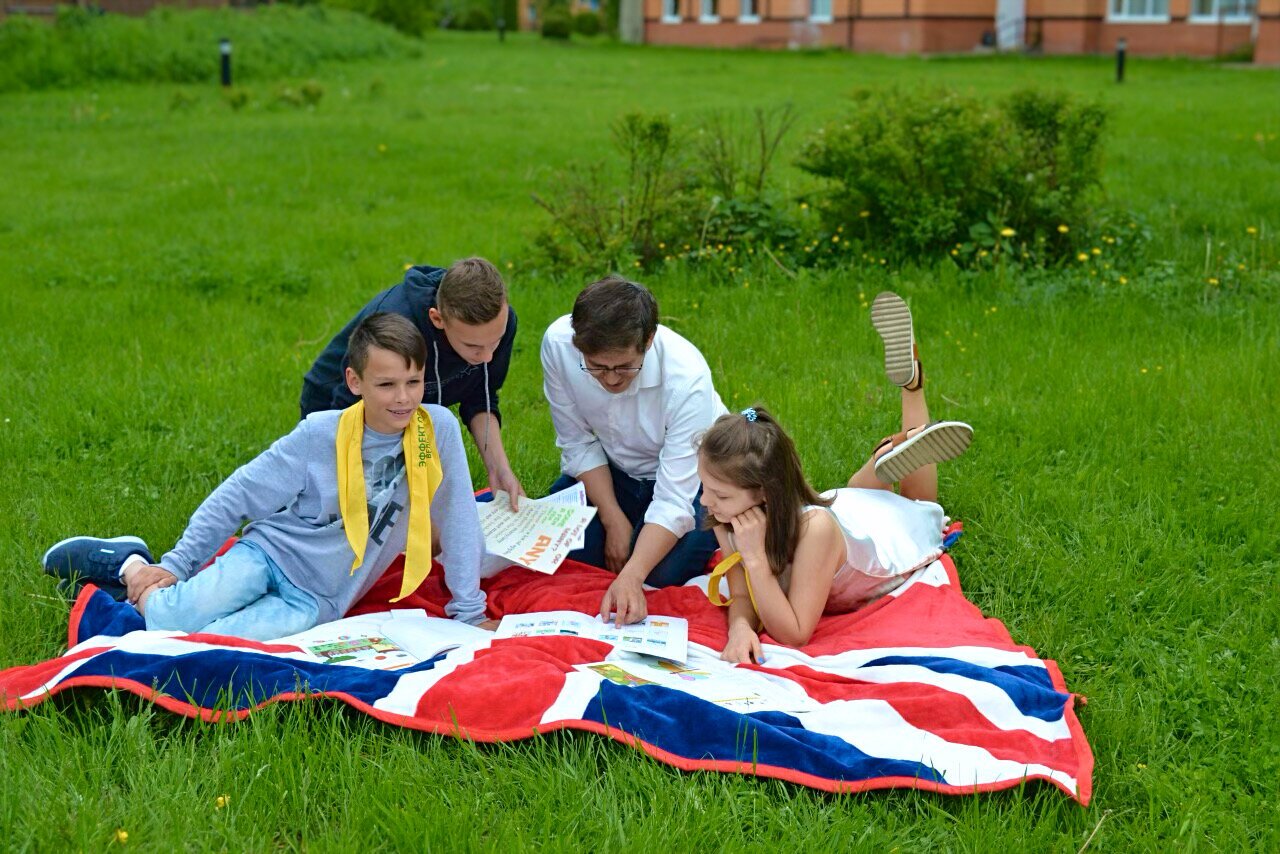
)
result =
(1121, 44)
(224, 48)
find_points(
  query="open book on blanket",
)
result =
(389, 640)
(664, 637)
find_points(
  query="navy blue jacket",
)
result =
(325, 387)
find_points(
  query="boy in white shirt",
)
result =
(628, 400)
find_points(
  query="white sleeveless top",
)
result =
(886, 538)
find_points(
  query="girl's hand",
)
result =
(748, 532)
(743, 646)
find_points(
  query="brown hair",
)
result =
(760, 455)
(388, 331)
(471, 291)
(614, 314)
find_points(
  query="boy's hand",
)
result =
(625, 596)
(505, 480)
(143, 578)
(617, 543)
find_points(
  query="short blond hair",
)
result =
(471, 291)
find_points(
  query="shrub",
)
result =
(411, 17)
(679, 196)
(586, 24)
(475, 19)
(556, 23)
(918, 173)
(180, 46)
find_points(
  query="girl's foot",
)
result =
(892, 319)
(902, 453)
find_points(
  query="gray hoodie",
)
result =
(289, 496)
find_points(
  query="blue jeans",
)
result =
(243, 594)
(686, 559)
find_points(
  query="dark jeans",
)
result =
(686, 559)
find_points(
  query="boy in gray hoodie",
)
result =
(329, 507)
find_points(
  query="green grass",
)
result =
(169, 274)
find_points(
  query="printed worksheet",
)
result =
(664, 637)
(390, 640)
(539, 537)
(722, 684)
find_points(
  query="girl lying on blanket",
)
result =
(794, 554)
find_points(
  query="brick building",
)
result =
(1150, 27)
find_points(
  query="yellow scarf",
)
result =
(722, 568)
(422, 468)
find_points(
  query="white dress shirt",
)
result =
(647, 431)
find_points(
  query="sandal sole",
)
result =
(937, 443)
(892, 320)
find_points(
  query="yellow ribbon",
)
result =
(722, 569)
(422, 468)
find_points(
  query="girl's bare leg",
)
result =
(921, 484)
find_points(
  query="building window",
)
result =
(820, 11)
(748, 13)
(709, 11)
(670, 11)
(1139, 10)
(1238, 11)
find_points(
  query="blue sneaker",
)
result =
(92, 559)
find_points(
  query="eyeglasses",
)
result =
(616, 370)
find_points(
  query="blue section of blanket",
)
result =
(1028, 686)
(687, 726)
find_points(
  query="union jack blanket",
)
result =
(918, 690)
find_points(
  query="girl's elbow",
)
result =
(796, 637)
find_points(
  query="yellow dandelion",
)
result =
(1251, 230)
(804, 206)
(840, 229)
(955, 251)
(662, 245)
(1123, 280)
(1143, 370)
(835, 238)
(1062, 229)
(1082, 257)
(695, 305)
(982, 253)
(1141, 765)
(1213, 281)
(686, 247)
(222, 801)
(1096, 251)
(635, 263)
(864, 214)
(1007, 232)
(1239, 266)
(510, 266)
(884, 261)
(122, 835)
(728, 249)
(993, 309)
(408, 267)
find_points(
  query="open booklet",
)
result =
(664, 637)
(707, 679)
(542, 534)
(385, 641)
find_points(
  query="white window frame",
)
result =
(1212, 17)
(1128, 18)
(668, 8)
(752, 17)
(708, 17)
(814, 17)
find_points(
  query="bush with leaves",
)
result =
(679, 195)
(586, 23)
(557, 22)
(918, 173)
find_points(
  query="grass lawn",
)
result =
(169, 267)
